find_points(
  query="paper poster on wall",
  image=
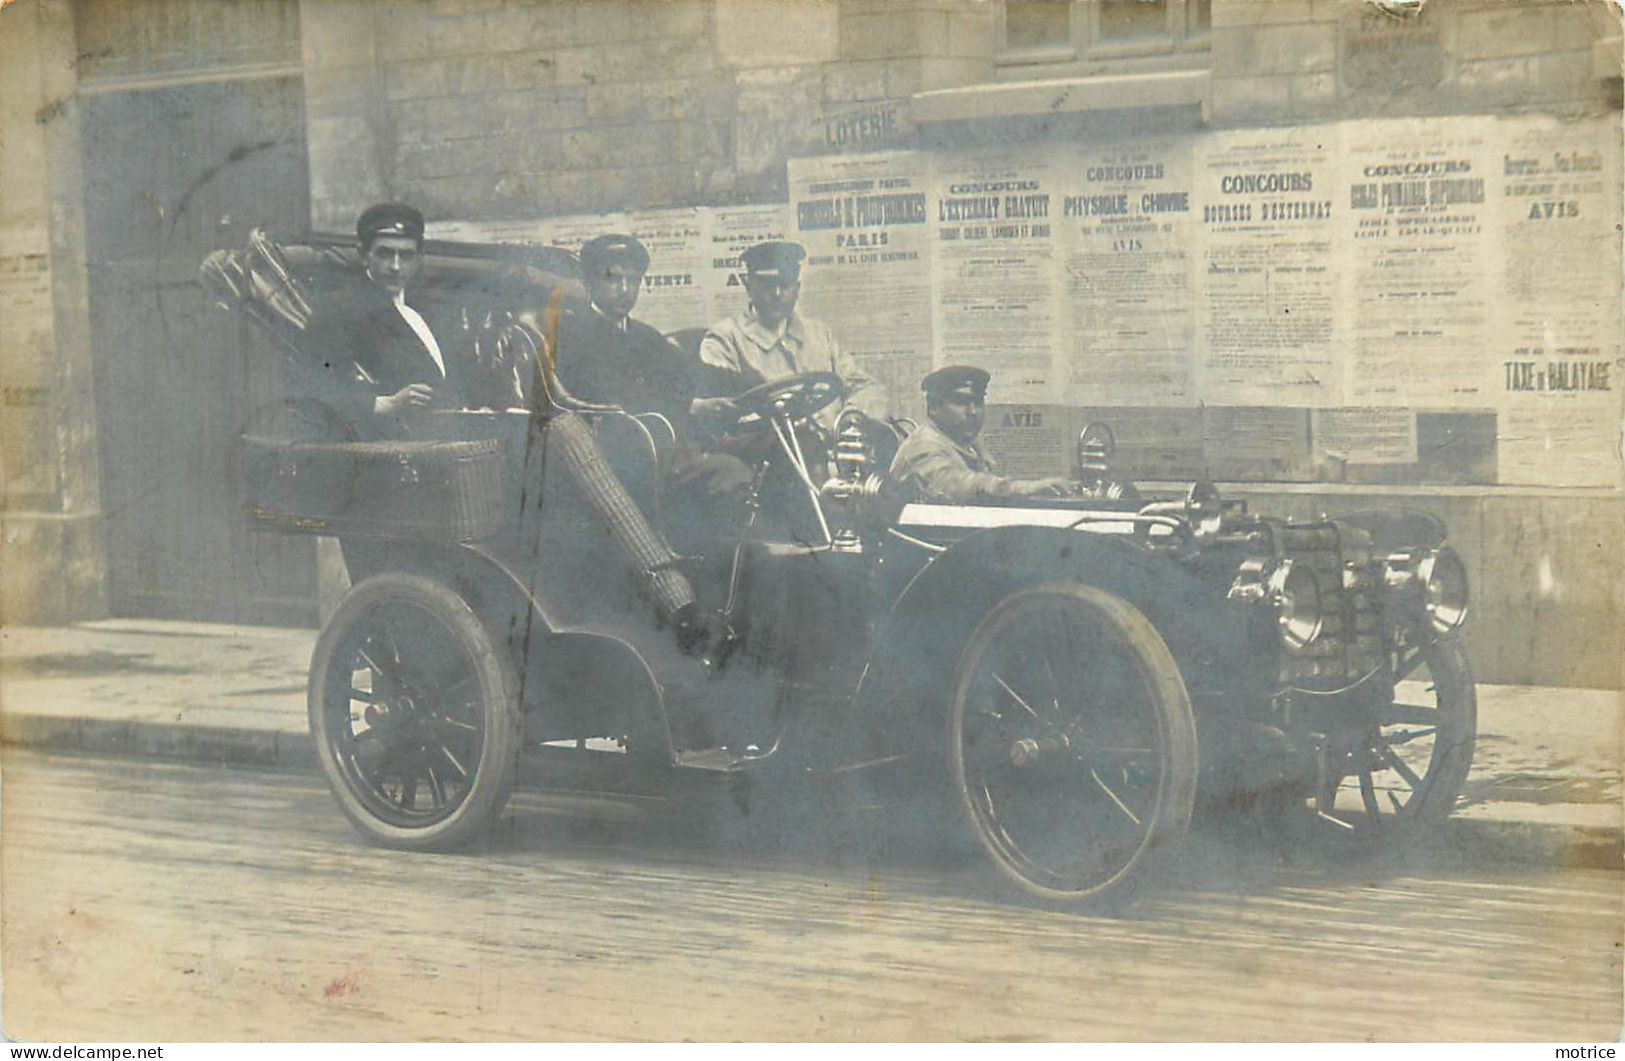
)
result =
(1152, 443)
(1557, 365)
(1559, 444)
(25, 294)
(1124, 235)
(1256, 443)
(673, 296)
(1362, 436)
(1031, 441)
(27, 350)
(995, 275)
(1267, 322)
(526, 230)
(863, 220)
(728, 231)
(1418, 245)
(570, 231)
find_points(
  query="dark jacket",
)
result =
(358, 348)
(635, 368)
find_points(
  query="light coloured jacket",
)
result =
(936, 468)
(743, 346)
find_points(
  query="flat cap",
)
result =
(774, 258)
(389, 219)
(956, 379)
(601, 252)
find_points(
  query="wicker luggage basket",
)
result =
(444, 491)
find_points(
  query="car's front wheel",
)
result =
(1404, 762)
(414, 713)
(1071, 742)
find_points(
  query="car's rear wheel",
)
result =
(1408, 762)
(414, 712)
(1071, 742)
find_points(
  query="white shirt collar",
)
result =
(420, 328)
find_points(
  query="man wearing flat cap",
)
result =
(375, 357)
(945, 460)
(377, 361)
(606, 356)
(771, 341)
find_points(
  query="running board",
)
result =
(715, 760)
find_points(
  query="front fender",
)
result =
(576, 678)
(919, 640)
(583, 678)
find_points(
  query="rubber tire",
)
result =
(493, 782)
(1450, 762)
(1176, 726)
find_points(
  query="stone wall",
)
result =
(481, 110)
(489, 109)
(52, 558)
(1277, 61)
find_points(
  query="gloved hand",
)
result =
(706, 635)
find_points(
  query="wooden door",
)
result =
(172, 172)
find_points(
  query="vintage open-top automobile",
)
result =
(1067, 677)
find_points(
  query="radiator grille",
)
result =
(1351, 642)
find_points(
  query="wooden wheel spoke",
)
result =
(1048, 649)
(437, 791)
(1405, 663)
(1115, 750)
(1405, 736)
(1326, 793)
(1414, 714)
(462, 771)
(431, 672)
(352, 756)
(365, 696)
(1055, 686)
(1368, 796)
(391, 644)
(1399, 766)
(992, 804)
(409, 792)
(1114, 797)
(1332, 819)
(366, 657)
(1017, 697)
(987, 722)
(1035, 661)
(1135, 765)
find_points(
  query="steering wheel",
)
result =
(794, 397)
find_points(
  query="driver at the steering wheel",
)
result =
(771, 341)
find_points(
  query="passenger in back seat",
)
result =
(374, 361)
